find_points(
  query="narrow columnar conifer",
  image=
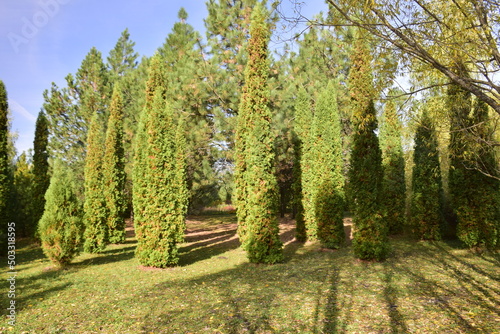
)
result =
(95, 211)
(156, 80)
(303, 115)
(475, 195)
(370, 241)
(5, 168)
(161, 227)
(257, 192)
(393, 163)
(426, 201)
(60, 228)
(328, 164)
(113, 170)
(40, 165)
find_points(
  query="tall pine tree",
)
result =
(255, 156)
(370, 240)
(70, 111)
(122, 58)
(184, 69)
(113, 170)
(427, 192)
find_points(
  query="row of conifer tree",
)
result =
(322, 187)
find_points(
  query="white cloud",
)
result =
(19, 109)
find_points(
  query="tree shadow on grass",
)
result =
(206, 245)
(107, 256)
(437, 296)
(248, 298)
(391, 299)
(468, 274)
(332, 310)
(451, 287)
(36, 284)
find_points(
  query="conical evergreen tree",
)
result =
(113, 172)
(393, 163)
(40, 165)
(60, 227)
(255, 147)
(426, 202)
(370, 240)
(95, 213)
(328, 164)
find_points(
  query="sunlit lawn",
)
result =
(422, 288)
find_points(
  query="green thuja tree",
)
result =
(95, 212)
(255, 147)
(303, 116)
(179, 184)
(6, 177)
(393, 163)
(426, 201)
(161, 227)
(327, 165)
(60, 227)
(156, 78)
(370, 241)
(113, 171)
(41, 175)
(477, 204)
(23, 205)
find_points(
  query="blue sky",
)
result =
(41, 41)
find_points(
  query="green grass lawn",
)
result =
(422, 288)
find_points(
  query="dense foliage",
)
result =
(427, 191)
(5, 169)
(60, 227)
(95, 212)
(328, 167)
(365, 175)
(475, 195)
(41, 174)
(113, 171)
(219, 120)
(393, 163)
(256, 183)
